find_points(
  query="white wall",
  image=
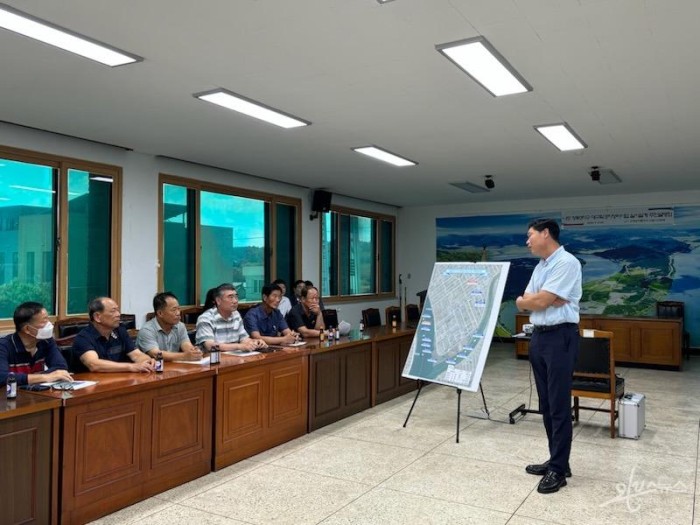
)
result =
(140, 210)
(417, 238)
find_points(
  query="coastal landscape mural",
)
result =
(627, 268)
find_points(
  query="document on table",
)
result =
(242, 353)
(202, 361)
(69, 385)
(298, 343)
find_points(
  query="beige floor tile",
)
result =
(350, 459)
(634, 467)
(289, 447)
(273, 494)
(586, 501)
(178, 514)
(421, 433)
(463, 480)
(522, 520)
(211, 480)
(389, 507)
(495, 442)
(134, 512)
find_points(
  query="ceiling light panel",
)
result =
(562, 136)
(230, 100)
(32, 27)
(480, 60)
(385, 156)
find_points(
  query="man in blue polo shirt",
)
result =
(266, 322)
(552, 296)
(105, 346)
(31, 352)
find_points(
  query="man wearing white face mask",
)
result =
(31, 352)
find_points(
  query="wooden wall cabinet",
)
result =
(637, 340)
(259, 407)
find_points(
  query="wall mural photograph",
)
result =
(631, 257)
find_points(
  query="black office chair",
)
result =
(675, 310)
(391, 313)
(371, 317)
(412, 313)
(594, 374)
(330, 317)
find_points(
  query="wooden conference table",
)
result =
(132, 436)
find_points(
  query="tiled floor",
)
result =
(368, 469)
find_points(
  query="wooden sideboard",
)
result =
(638, 340)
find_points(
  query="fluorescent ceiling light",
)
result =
(229, 100)
(471, 188)
(31, 188)
(384, 155)
(480, 60)
(101, 179)
(54, 35)
(562, 136)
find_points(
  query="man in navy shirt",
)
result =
(105, 346)
(31, 352)
(266, 322)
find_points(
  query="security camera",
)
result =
(595, 173)
(489, 183)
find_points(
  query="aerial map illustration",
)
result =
(457, 322)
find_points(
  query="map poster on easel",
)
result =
(456, 326)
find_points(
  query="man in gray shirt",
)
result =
(166, 333)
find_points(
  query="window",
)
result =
(59, 232)
(213, 234)
(357, 254)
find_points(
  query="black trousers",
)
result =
(553, 356)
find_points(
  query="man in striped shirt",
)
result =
(31, 352)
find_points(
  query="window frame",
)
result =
(198, 186)
(377, 295)
(63, 164)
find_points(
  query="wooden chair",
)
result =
(675, 310)
(128, 321)
(412, 313)
(330, 317)
(392, 312)
(594, 374)
(371, 317)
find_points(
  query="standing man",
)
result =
(31, 352)
(165, 333)
(306, 317)
(105, 346)
(285, 304)
(266, 322)
(222, 325)
(552, 296)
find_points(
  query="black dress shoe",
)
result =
(551, 482)
(542, 468)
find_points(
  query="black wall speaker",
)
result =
(321, 201)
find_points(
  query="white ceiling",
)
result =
(623, 73)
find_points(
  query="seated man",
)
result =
(306, 316)
(296, 295)
(266, 322)
(285, 304)
(31, 352)
(165, 333)
(105, 346)
(222, 325)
